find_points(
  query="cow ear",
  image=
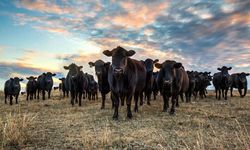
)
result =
(107, 64)
(66, 67)
(209, 73)
(27, 78)
(44, 73)
(188, 72)
(35, 77)
(80, 67)
(20, 79)
(158, 65)
(53, 74)
(156, 61)
(229, 68)
(11, 79)
(219, 69)
(247, 74)
(130, 53)
(91, 64)
(177, 65)
(107, 53)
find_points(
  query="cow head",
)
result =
(74, 70)
(149, 63)
(101, 68)
(168, 72)
(243, 77)
(224, 71)
(191, 76)
(119, 59)
(31, 78)
(48, 77)
(15, 83)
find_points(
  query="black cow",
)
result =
(202, 82)
(12, 87)
(31, 88)
(63, 88)
(222, 82)
(149, 63)
(155, 88)
(90, 79)
(192, 85)
(45, 83)
(172, 81)
(93, 90)
(76, 82)
(101, 70)
(127, 78)
(239, 81)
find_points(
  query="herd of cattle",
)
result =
(126, 78)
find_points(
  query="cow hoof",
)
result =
(136, 110)
(102, 107)
(141, 103)
(177, 105)
(165, 110)
(172, 112)
(115, 118)
(129, 115)
(148, 103)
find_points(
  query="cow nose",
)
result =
(98, 73)
(118, 70)
(167, 82)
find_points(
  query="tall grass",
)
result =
(14, 129)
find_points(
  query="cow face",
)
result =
(48, 77)
(191, 76)
(224, 71)
(149, 63)
(243, 77)
(168, 72)
(15, 84)
(119, 59)
(31, 78)
(74, 70)
(100, 68)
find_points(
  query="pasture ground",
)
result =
(55, 124)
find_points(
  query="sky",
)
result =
(37, 36)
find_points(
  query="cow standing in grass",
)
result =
(222, 82)
(239, 81)
(127, 78)
(63, 88)
(76, 81)
(31, 88)
(101, 71)
(12, 88)
(45, 83)
(172, 81)
(149, 63)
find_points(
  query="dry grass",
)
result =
(55, 124)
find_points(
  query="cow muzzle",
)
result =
(167, 82)
(118, 71)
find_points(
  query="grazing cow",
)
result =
(31, 88)
(62, 87)
(239, 81)
(149, 63)
(45, 83)
(222, 81)
(155, 88)
(192, 85)
(172, 81)
(101, 70)
(127, 78)
(76, 82)
(12, 87)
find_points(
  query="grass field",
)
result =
(55, 124)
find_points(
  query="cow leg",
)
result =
(219, 94)
(38, 94)
(187, 96)
(63, 94)
(96, 95)
(226, 94)
(216, 91)
(223, 93)
(27, 98)
(141, 97)
(240, 92)
(72, 97)
(43, 93)
(17, 98)
(116, 104)
(166, 103)
(148, 97)
(245, 92)
(136, 97)
(103, 101)
(172, 111)
(154, 95)
(31, 96)
(5, 99)
(80, 99)
(231, 91)
(11, 99)
(112, 100)
(128, 102)
(122, 100)
(204, 93)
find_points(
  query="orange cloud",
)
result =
(138, 16)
